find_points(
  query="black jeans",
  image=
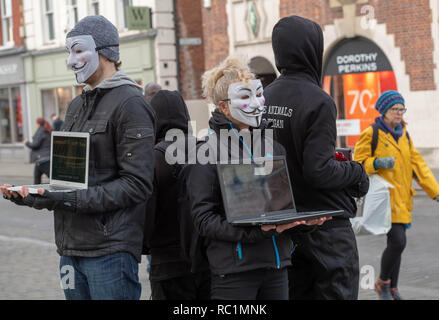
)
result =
(259, 284)
(40, 169)
(391, 259)
(325, 265)
(191, 287)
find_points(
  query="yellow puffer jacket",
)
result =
(409, 164)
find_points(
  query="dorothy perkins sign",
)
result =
(356, 55)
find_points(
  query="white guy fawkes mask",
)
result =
(83, 57)
(247, 102)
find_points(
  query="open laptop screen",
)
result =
(69, 159)
(249, 194)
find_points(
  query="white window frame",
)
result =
(121, 10)
(6, 15)
(45, 15)
(93, 4)
(73, 12)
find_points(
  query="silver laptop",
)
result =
(69, 160)
(251, 198)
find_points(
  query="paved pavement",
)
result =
(29, 262)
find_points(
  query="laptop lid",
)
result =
(249, 194)
(69, 159)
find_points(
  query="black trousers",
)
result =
(191, 287)
(391, 258)
(41, 169)
(259, 284)
(325, 265)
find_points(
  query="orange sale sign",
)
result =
(361, 91)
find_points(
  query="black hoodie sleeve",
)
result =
(207, 213)
(320, 168)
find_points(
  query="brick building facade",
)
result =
(16, 15)
(405, 31)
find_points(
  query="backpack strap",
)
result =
(374, 143)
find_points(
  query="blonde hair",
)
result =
(215, 82)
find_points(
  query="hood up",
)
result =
(298, 47)
(118, 79)
(171, 113)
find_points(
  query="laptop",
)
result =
(253, 198)
(69, 160)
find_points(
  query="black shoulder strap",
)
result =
(374, 142)
(408, 137)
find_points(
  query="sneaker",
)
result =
(395, 294)
(382, 288)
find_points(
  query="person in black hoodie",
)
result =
(170, 273)
(245, 262)
(40, 146)
(325, 262)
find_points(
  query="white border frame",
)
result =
(66, 183)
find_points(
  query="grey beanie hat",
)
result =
(104, 34)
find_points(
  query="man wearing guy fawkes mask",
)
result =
(99, 231)
(246, 263)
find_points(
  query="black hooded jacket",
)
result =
(162, 228)
(304, 118)
(231, 249)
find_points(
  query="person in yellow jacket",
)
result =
(397, 161)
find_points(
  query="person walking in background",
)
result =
(40, 146)
(394, 158)
(325, 262)
(151, 90)
(56, 122)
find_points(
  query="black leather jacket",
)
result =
(109, 216)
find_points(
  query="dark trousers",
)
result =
(191, 287)
(259, 284)
(325, 265)
(391, 259)
(39, 170)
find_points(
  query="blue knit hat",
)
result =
(387, 100)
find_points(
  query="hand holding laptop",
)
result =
(24, 192)
(282, 227)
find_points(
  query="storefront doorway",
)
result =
(355, 74)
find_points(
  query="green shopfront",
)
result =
(52, 85)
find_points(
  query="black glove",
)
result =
(18, 201)
(52, 201)
(362, 187)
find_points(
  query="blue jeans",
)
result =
(110, 277)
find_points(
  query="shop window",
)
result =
(56, 101)
(11, 116)
(6, 18)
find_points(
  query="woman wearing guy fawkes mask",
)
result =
(245, 262)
